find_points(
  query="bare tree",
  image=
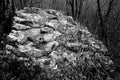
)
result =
(79, 8)
(31, 3)
(21, 4)
(103, 30)
(76, 7)
(109, 9)
(71, 3)
(7, 12)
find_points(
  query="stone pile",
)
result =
(48, 37)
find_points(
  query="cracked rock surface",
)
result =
(52, 39)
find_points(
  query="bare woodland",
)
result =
(101, 17)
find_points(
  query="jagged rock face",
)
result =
(49, 37)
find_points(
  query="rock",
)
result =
(53, 23)
(16, 35)
(50, 45)
(46, 35)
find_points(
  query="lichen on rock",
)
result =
(46, 35)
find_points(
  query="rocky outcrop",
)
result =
(53, 41)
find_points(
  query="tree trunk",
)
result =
(7, 11)
(102, 32)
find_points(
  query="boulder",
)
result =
(49, 35)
